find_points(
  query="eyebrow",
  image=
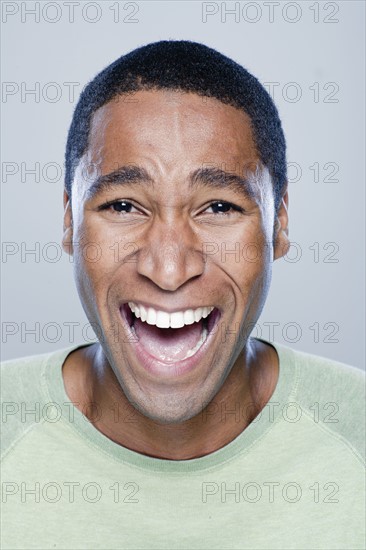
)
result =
(220, 179)
(124, 175)
(212, 177)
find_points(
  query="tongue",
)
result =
(168, 344)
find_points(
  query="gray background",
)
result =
(312, 51)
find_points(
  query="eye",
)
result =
(120, 207)
(224, 208)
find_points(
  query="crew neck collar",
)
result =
(257, 429)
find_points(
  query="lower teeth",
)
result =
(199, 343)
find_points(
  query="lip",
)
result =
(169, 369)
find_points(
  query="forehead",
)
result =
(170, 127)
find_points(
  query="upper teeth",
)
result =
(162, 319)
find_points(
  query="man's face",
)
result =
(172, 229)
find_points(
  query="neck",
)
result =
(88, 378)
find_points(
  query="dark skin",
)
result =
(170, 135)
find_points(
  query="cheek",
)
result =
(104, 261)
(247, 261)
(100, 248)
(92, 260)
(252, 273)
(245, 253)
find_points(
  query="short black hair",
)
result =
(182, 65)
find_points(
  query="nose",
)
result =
(170, 256)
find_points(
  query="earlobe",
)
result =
(280, 237)
(67, 229)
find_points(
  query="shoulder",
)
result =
(332, 391)
(21, 377)
(328, 378)
(24, 393)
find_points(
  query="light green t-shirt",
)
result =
(293, 479)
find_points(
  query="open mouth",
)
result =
(170, 337)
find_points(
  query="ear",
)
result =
(281, 241)
(67, 235)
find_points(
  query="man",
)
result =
(177, 429)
